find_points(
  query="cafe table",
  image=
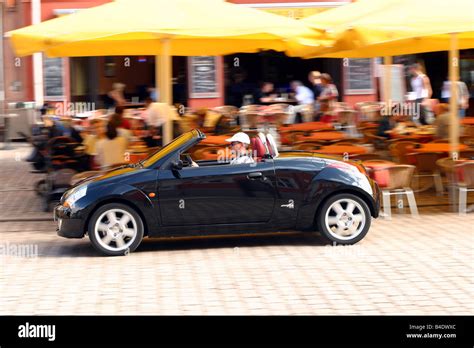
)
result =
(306, 127)
(322, 136)
(421, 137)
(342, 150)
(438, 147)
(286, 130)
(468, 121)
(215, 140)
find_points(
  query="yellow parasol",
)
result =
(163, 28)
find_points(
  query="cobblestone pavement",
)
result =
(403, 266)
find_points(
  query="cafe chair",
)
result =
(425, 163)
(465, 173)
(398, 183)
(378, 142)
(467, 154)
(466, 139)
(447, 167)
(469, 131)
(399, 149)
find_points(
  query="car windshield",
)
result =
(182, 139)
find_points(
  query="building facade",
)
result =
(88, 79)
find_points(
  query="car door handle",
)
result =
(255, 175)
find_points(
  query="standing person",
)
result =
(111, 149)
(421, 87)
(154, 119)
(314, 77)
(305, 99)
(329, 93)
(116, 94)
(463, 96)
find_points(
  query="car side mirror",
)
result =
(177, 165)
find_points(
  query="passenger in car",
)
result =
(239, 144)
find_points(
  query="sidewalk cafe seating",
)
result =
(468, 154)
(465, 172)
(399, 183)
(249, 116)
(308, 146)
(380, 176)
(447, 167)
(378, 142)
(366, 157)
(399, 149)
(426, 166)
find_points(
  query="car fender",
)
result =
(127, 194)
(331, 181)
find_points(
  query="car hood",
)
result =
(113, 174)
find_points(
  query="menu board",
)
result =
(358, 76)
(53, 78)
(203, 77)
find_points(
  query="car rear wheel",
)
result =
(115, 229)
(344, 219)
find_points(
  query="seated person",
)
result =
(239, 144)
(111, 149)
(96, 132)
(442, 121)
(265, 94)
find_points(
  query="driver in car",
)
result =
(239, 145)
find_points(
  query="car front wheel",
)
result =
(115, 229)
(344, 219)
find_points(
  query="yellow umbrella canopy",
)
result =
(396, 27)
(138, 27)
(371, 28)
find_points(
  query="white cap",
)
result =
(241, 137)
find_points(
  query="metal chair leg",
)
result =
(412, 202)
(386, 205)
(438, 183)
(462, 200)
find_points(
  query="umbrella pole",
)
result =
(387, 88)
(163, 77)
(453, 101)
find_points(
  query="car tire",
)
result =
(343, 219)
(115, 229)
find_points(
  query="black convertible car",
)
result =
(165, 196)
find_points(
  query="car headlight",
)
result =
(76, 194)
